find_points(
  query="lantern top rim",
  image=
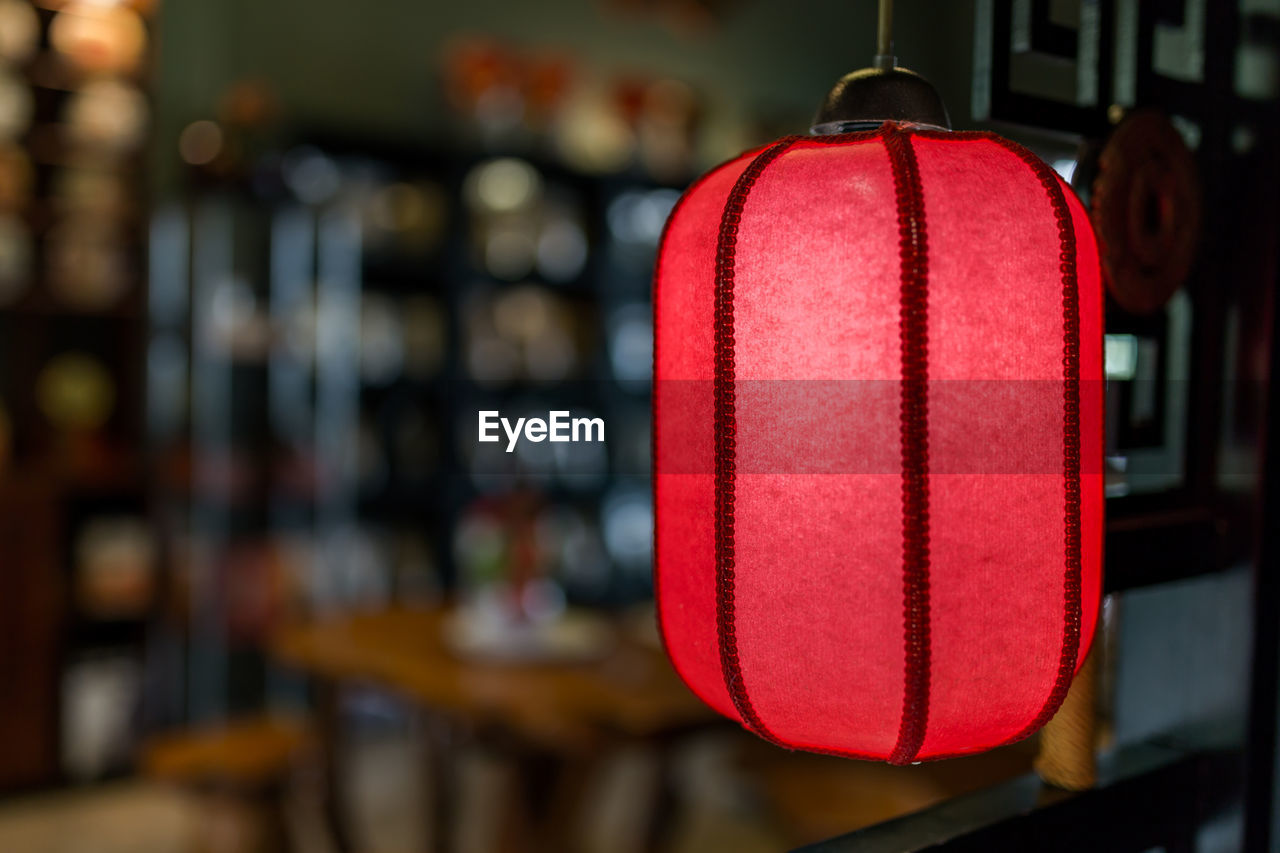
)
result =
(866, 98)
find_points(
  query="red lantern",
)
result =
(878, 441)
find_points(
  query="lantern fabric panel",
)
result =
(995, 361)
(996, 440)
(683, 356)
(876, 534)
(827, 307)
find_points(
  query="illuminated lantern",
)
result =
(878, 436)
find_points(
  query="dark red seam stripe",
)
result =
(914, 430)
(1070, 433)
(655, 394)
(725, 437)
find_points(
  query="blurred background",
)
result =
(263, 261)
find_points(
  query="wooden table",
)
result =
(534, 711)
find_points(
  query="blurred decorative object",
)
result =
(19, 31)
(115, 567)
(546, 81)
(410, 216)
(485, 631)
(498, 549)
(482, 82)
(514, 98)
(75, 392)
(504, 196)
(504, 93)
(1146, 209)
(532, 319)
(821, 356)
(99, 38)
(99, 695)
(522, 332)
(664, 116)
(200, 142)
(523, 228)
(108, 115)
(248, 104)
(16, 106)
(479, 546)
(504, 185)
(311, 174)
(15, 258)
(88, 265)
(593, 135)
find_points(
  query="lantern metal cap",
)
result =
(865, 99)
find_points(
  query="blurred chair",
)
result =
(240, 772)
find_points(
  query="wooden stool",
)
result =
(240, 771)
